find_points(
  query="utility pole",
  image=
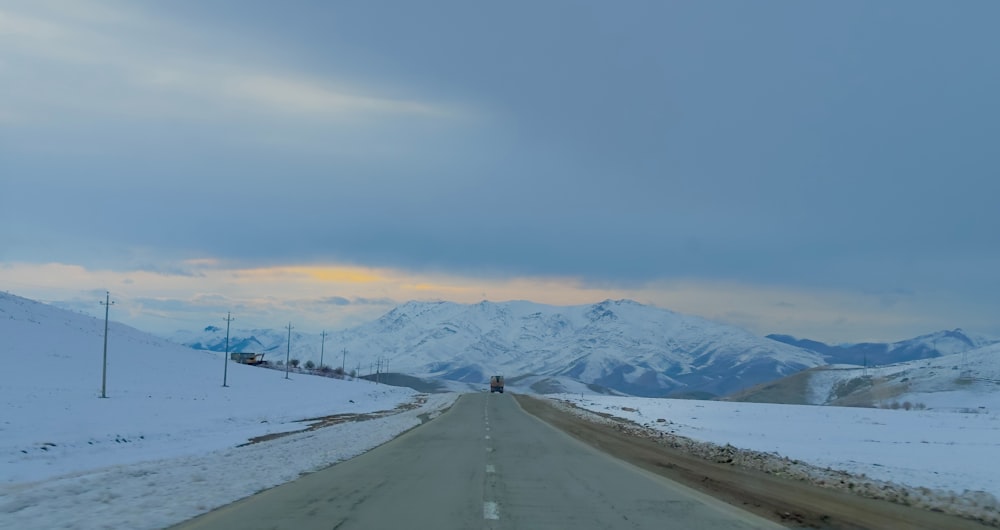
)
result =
(104, 371)
(343, 364)
(288, 352)
(225, 358)
(321, 347)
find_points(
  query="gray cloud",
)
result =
(357, 301)
(387, 302)
(336, 300)
(803, 145)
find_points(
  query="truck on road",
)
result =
(253, 359)
(496, 384)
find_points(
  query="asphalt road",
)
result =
(483, 464)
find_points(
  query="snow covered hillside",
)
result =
(874, 353)
(968, 382)
(947, 452)
(620, 345)
(166, 415)
(163, 399)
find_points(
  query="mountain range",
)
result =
(619, 345)
(612, 346)
(873, 354)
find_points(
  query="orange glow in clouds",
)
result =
(341, 274)
(348, 275)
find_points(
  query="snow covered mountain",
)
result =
(621, 345)
(872, 353)
(967, 382)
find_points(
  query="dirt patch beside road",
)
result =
(335, 419)
(768, 485)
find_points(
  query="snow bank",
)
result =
(165, 443)
(159, 493)
(933, 459)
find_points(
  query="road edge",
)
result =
(779, 499)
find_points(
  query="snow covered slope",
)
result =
(875, 353)
(621, 345)
(164, 400)
(966, 382)
(951, 453)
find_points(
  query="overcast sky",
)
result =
(828, 170)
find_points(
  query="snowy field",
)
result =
(164, 445)
(946, 451)
(151, 494)
(167, 442)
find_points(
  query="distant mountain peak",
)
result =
(622, 345)
(601, 311)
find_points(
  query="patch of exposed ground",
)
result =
(865, 391)
(788, 491)
(791, 390)
(335, 419)
(547, 386)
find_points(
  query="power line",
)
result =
(288, 352)
(107, 303)
(225, 358)
(321, 347)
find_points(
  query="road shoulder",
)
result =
(780, 499)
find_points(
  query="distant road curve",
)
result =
(488, 464)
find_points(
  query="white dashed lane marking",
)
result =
(491, 511)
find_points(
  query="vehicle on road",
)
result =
(496, 384)
(248, 358)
